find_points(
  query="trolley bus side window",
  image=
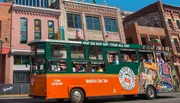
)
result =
(128, 55)
(59, 56)
(77, 52)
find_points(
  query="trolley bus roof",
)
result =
(90, 43)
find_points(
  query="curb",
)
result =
(14, 95)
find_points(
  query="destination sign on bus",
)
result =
(93, 43)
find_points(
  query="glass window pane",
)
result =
(70, 24)
(97, 67)
(96, 20)
(108, 28)
(57, 66)
(34, 2)
(25, 59)
(88, 19)
(58, 51)
(38, 3)
(95, 53)
(50, 29)
(112, 57)
(77, 24)
(23, 30)
(107, 22)
(114, 29)
(37, 29)
(37, 35)
(89, 26)
(23, 37)
(113, 22)
(128, 55)
(97, 27)
(77, 52)
(80, 66)
(178, 23)
(77, 18)
(69, 17)
(17, 60)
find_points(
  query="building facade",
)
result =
(90, 21)
(29, 23)
(35, 3)
(5, 37)
(159, 21)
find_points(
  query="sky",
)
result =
(133, 5)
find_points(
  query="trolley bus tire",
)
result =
(77, 96)
(151, 93)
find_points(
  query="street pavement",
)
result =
(162, 98)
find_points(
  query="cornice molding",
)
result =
(34, 14)
(35, 10)
(90, 8)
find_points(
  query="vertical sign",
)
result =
(61, 33)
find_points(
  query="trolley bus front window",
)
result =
(37, 58)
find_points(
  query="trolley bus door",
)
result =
(112, 57)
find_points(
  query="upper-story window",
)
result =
(37, 29)
(110, 24)
(34, 2)
(27, 2)
(50, 29)
(93, 23)
(178, 23)
(176, 43)
(0, 28)
(74, 20)
(23, 30)
(170, 23)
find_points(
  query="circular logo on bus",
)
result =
(127, 78)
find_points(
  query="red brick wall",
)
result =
(5, 18)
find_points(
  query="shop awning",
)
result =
(5, 50)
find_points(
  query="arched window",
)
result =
(23, 30)
(50, 29)
(37, 29)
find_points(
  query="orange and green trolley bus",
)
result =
(76, 70)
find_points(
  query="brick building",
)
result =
(90, 21)
(5, 37)
(158, 20)
(21, 24)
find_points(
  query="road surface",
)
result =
(162, 98)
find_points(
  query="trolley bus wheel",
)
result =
(150, 93)
(77, 96)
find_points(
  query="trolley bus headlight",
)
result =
(44, 90)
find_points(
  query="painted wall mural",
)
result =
(162, 75)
